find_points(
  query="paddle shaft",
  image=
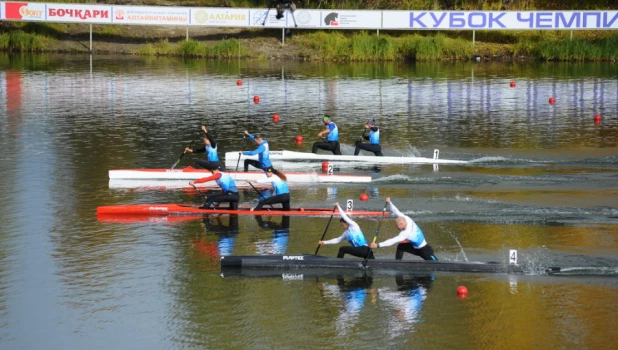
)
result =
(183, 152)
(256, 190)
(326, 229)
(198, 190)
(375, 237)
(240, 155)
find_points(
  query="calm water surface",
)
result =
(543, 179)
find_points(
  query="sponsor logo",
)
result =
(303, 17)
(119, 15)
(292, 277)
(202, 16)
(157, 208)
(173, 170)
(276, 153)
(81, 14)
(331, 19)
(258, 17)
(293, 257)
(20, 10)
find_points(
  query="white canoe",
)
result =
(231, 158)
(190, 173)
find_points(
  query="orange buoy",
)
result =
(239, 82)
(364, 197)
(324, 167)
(512, 84)
(552, 100)
(256, 99)
(299, 138)
(462, 291)
(597, 118)
(276, 118)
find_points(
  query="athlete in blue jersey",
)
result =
(282, 192)
(229, 191)
(373, 137)
(210, 148)
(354, 235)
(410, 238)
(262, 151)
(332, 138)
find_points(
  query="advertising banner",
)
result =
(477, 20)
(256, 18)
(24, 11)
(79, 13)
(151, 15)
(352, 19)
(220, 17)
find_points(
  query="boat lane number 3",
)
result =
(349, 204)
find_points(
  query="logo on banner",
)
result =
(119, 15)
(303, 17)
(258, 17)
(20, 10)
(201, 16)
(331, 19)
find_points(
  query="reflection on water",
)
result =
(542, 180)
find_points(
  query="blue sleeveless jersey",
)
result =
(333, 135)
(355, 236)
(374, 137)
(280, 186)
(226, 183)
(263, 152)
(211, 154)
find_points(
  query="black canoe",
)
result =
(296, 262)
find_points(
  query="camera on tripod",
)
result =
(282, 5)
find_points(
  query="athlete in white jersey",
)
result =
(410, 237)
(354, 235)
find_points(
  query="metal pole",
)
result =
(378, 32)
(91, 37)
(571, 35)
(283, 36)
(473, 37)
(187, 33)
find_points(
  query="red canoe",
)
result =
(182, 209)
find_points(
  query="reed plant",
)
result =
(20, 41)
(564, 49)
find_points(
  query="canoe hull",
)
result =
(299, 262)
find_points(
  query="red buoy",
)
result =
(299, 138)
(552, 100)
(324, 167)
(239, 82)
(512, 84)
(256, 99)
(597, 118)
(364, 197)
(462, 291)
(276, 118)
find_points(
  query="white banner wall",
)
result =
(78, 13)
(352, 19)
(331, 19)
(151, 15)
(220, 17)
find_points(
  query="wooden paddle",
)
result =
(326, 229)
(375, 237)
(183, 152)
